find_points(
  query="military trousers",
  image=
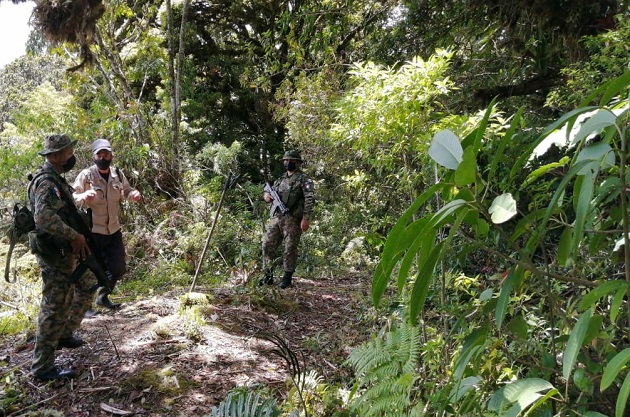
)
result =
(62, 307)
(282, 228)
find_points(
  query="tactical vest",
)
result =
(289, 188)
(41, 242)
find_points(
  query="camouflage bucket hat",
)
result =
(295, 155)
(56, 143)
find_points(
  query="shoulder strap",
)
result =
(52, 179)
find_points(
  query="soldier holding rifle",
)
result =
(292, 199)
(58, 248)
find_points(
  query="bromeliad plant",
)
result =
(585, 216)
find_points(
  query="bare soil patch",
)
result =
(157, 357)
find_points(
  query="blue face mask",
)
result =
(290, 165)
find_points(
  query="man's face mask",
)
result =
(290, 165)
(69, 164)
(102, 163)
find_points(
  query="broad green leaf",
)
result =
(601, 119)
(482, 228)
(419, 250)
(564, 246)
(446, 211)
(600, 155)
(583, 381)
(503, 208)
(540, 232)
(600, 291)
(594, 414)
(486, 294)
(463, 387)
(473, 345)
(594, 326)
(585, 185)
(481, 130)
(567, 119)
(504, 297)
(622, 398)
(615, 304)
(616, 365)
(518, 327)
(523, 392)
(615, 86)
(395, 239)
(423, 282)
(466, 172)
(446, 149)
(542, 400)
(574, 344)
(539, 172)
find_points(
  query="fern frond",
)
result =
(241, 403)
(386, 371)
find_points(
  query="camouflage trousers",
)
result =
(62, 308)
(281, 228)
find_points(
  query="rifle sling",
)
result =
(7, 267)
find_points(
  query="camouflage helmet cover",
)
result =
(293, 154)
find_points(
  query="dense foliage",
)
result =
(499, 261)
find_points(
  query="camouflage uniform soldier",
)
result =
(57, 247)
(295, 189)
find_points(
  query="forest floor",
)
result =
(178, 355)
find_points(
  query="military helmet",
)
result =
(293, 154)
(56, 143)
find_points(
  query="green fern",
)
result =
(241, 403)
(386, 374)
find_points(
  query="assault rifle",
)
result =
(82, 223)
(277, 202)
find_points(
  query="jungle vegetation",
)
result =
(469, 155)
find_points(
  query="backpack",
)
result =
(23, 221)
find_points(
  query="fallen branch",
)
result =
(112, 340)
(9, 305)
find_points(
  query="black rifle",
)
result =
(82, 223)
(277, 202)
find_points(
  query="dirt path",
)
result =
(156, 357)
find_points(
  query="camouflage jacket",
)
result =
(48, 204)
(297, 193)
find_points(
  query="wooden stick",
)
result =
(112, 340)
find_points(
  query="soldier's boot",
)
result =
(103, 301)
(267, 279)
(286, 279)
(103, 297)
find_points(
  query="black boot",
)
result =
(103, 293)
(286, 279)
(103, 301)
(267, 279)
